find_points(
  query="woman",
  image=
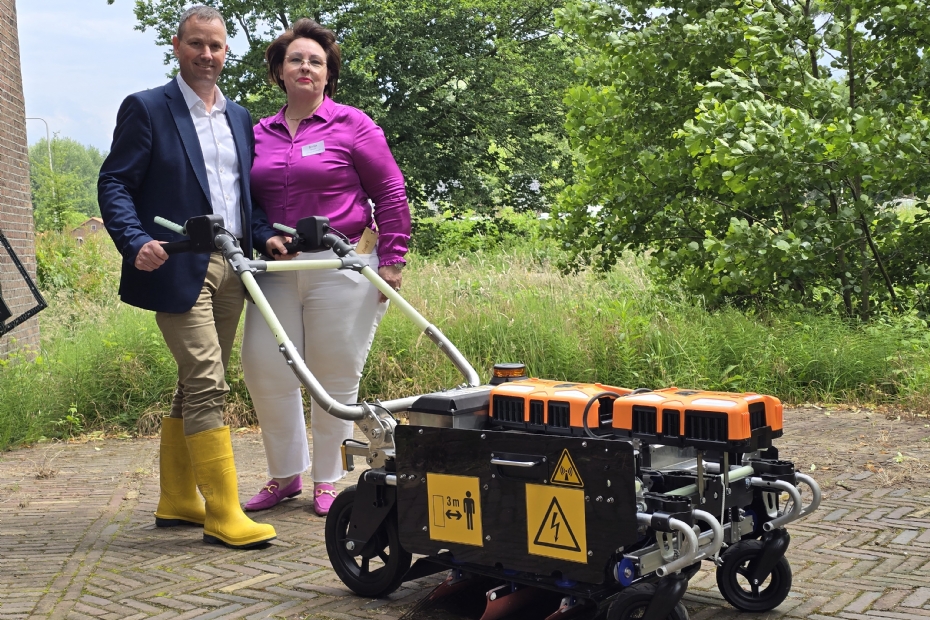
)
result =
(317, 157)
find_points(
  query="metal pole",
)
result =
(48, 143)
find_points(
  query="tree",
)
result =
(468, 92)
(65, 194)
(757, 148)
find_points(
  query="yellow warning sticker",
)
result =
(555, 523)
(565, 471)
(454, 509)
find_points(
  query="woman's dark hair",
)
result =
(305, 28)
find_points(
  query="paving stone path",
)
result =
(77, 538)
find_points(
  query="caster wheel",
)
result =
(633, 602)
(735, 586)
(375, 570)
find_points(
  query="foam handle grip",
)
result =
(177, 247)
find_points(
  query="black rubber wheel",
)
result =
(375, 570)
(633, 602)
(735, 586)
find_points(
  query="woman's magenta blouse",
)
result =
(336, 162)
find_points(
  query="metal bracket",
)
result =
(797, 506)
(379, 429)
(7, 326)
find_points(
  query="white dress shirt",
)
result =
(219, 155)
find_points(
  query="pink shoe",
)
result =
(271, 495)
(323, 496)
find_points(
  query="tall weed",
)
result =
(104, 365)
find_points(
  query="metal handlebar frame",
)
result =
(374, 419)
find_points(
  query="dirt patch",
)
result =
(840, 446)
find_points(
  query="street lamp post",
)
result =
(48, 143)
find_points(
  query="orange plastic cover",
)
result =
(736, 406)
(576, 395)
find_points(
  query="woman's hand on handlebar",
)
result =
(275, 248)
(151, 256)
(393, 275)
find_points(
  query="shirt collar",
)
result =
(192, 99)
(325, 112)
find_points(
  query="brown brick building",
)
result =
(15, 200)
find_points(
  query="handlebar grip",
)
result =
(292, 247)
(177, 247)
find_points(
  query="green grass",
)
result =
(619, 329)
(103, 365)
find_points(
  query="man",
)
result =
(179, 151)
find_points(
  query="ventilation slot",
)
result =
(537, 412)
(559, 414)
(706, 426)
(508, 409)
(644, 420)
(671, 423)
(756, 415)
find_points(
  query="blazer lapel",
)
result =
(182, 118)
(242, 147)
(244, 155)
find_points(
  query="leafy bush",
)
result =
(452, 235)
(103, 365)
(88, 270)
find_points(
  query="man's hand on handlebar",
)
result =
(151, 256)
(275, 248)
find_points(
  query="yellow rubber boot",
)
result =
(179, 503)
(215, 471)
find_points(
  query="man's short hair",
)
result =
(200, 13)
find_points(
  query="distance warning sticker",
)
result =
(555, 523)
(565, 471)
(454, 509)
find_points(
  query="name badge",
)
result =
(312, 149)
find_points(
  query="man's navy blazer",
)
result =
(156, 167)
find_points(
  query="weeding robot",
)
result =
(606, 496)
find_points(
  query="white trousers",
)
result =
(331, 316)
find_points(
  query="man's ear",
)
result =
(175, 43)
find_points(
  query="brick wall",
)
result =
(15, 199)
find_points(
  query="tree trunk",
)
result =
(842, 264)
(865, 281)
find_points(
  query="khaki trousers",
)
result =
(201, 341)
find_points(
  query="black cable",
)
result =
(339, 234)
(587, 408)
(382, 407)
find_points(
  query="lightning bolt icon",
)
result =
(555, 524)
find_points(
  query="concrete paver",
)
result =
(77, 537)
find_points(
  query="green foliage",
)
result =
(468, 92)
(103, 365)
(756, 148)
(65, 195)
(452, 235)
(88, 270)
(619, 328)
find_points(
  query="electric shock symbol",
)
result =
(554, 524)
